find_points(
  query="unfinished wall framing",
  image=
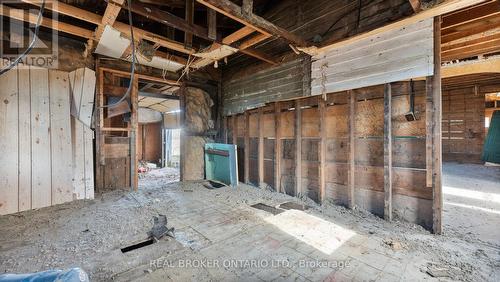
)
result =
(334, 135)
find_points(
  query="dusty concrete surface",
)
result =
(219, 237)
(472, 202)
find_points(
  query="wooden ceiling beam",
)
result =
(46, 22)
(231, 10)
(188, 36)
(167, 18)
(416, 5)
(90, 17)
(481, 27)
(237, 35)
(475, 13)
(110, 14)
(447, 6)
(253, 40)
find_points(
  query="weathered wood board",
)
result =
(38, 142)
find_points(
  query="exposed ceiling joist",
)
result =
(167, 18)
(90, 17)
(46, 22)
(188, 36)
(416, 5)
(444, 7)
(229, 9)
(110, 14)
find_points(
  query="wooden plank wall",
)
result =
(391, 56)
(336, 127)
(463, 124)
(252, 90)
(36, 141)
(149, 145)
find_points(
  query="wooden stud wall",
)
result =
(463, 124)
(342, 134)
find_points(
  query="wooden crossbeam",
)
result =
(231, 10)
(46, 22)
(416, 5)
(444, 7)
(109, 18)
(90, 17)
(167, 18)
(237, 35)
(188, 36)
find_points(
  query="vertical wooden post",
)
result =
(224, 130)
(134, 122)
(352, 141)
(260, 124)
(212, 24)
(182, 118)
(322, 147)
(247, 148)
(247, 7)
(437, 121)
(277, 147)
(234, 120)
(387, 152)
(298, 147)
(428, 131)
(99, 136)
(188, 37)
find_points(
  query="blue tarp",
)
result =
(68, 275)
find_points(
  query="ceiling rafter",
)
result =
(90, 17)
(231, 10)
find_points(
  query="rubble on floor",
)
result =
(219, 236)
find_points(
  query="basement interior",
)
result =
(250, 140)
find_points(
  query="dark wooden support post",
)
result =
(387, 152)
(322, 147)
(436, 121)
(298, 147)
(99, 136)
(134, 123)
(234, 120)
(277, 147)
(260, 121)
(224, 130)
(247, 7)
(212, 24)
(182, 117)
(188, 37)
(247, 148)
(352, 141)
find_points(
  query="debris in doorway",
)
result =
(267, 208)
(293, 206)
(437, 271)
(160, 228)
(395, 245)
(145, 166)
(137, 245)
(211, 184)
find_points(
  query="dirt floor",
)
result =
(220, 237)
(472, 202)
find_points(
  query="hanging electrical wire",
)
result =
(132, 69)
(32, 43)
